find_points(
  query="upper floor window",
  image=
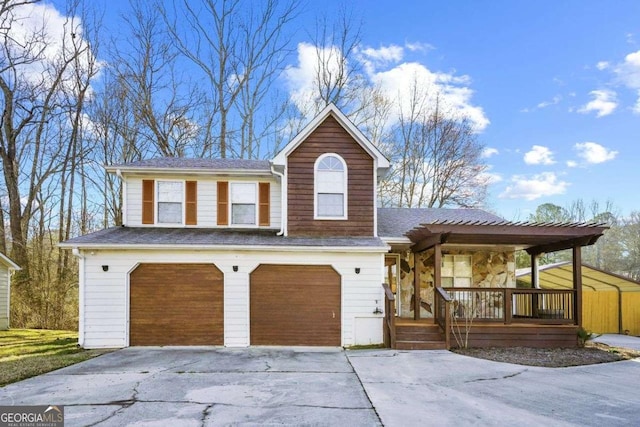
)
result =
(330, 187)
(243, 203)
(170, 200)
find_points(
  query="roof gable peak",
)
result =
(356, 134)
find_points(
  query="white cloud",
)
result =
(572, 164)
(449, 89)
(384, 55)
(636, 107)
(49, 36)
(539, 155)
(419, 46)
(394, 80)
(604, 102)
(490, 177)
(602, 65)
(593, 153)
(488, 152)
(554, 101)
(542, 185)
(301, 78)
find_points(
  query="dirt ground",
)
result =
(591, 354)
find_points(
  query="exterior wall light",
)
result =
(105, 268)
(235, 268)
(357, 270)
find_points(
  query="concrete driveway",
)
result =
(214, 386)
(203, 387)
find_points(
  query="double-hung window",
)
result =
(456, 270)
(170, 202)
(243, 203)
(330, 187)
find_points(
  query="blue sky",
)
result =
(553, 86)
(551, 77)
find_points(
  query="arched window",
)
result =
(330, 187)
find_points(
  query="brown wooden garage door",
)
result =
(176, 304)
(295, 305)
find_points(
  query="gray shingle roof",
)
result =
(186, 163)
(131, 236)
(395, 222)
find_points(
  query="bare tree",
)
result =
(32, 81)
(144, 59)
(436, 156)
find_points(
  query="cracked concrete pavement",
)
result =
(441, 388)
(210, 386)
(203, 387)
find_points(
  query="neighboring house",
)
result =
(294, 251)
(6, 267)
(610, 303)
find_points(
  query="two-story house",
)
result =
(295, 251)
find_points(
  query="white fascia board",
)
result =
(228, 248)
(188, 171)
(396, 240)
(8, 263)
(331, 109)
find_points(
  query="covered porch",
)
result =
(480, 300)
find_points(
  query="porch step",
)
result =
(418, 333)
(421, 345)
(419, 336)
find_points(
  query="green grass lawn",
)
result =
(25, 353)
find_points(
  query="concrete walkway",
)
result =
(615, 340)
(440, 388)
(210, 386)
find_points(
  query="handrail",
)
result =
(515, 305)
(388, 293)
(389, 316)
(442, 311)
(444, 294)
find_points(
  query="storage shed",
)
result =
(610, 302)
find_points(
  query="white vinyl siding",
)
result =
(106, 293)
(4, 298)
(207, 200)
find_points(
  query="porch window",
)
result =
(330, 187)
(243, 203)
(170, 200)
(456, 271)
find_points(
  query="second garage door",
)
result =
(176, 304)
(295, 305)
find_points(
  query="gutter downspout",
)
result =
(283, 200)
(123, 195)
(81, 296)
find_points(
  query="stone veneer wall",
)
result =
(491, 269)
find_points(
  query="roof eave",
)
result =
(186, 171)
(244, 248)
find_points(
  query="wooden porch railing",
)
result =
(389, 317)
(513, 305)
(442, 302)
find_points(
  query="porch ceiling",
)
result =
(535, 237)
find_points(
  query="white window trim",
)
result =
(230, 207)
(157, 200)
(344, 190)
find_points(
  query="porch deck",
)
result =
(493, 317)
